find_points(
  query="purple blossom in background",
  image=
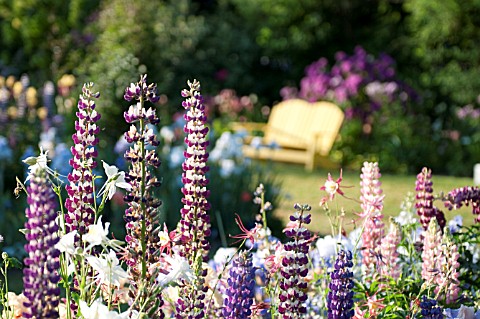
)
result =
(340, 296)
(80, 201)
(294, 269)
(360, 82)
(41, 276)
(239, 292)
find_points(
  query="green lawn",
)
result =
(301, 186)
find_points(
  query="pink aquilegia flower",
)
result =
(332, 187)
(40, 275)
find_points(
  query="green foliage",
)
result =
(442, 34)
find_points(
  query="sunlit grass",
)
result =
(301, 186)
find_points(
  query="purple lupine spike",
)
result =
(424, 197)
(80, 190)
(194, 226)
(41, 276)
(239, 293)
(465, 196)
(292, 282)
(340, 296)
(430, 309)
(141, 216)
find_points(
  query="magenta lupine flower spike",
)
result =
(292, 282)
(372, 206)
(340, 296)
(424, 200)
(80, 200)
(194, 226)
(41, 276)
(239, 293)
(141, 216)
(465, 196)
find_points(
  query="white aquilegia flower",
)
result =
(38, 163)
(109, 271)
(97, 310)
(96, 234)
(66, 244)
(115, 178)
(178, 268)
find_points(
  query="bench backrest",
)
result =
(295, 123)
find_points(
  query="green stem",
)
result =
(142, 203)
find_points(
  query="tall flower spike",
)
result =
(292, 282)
(80, 200)
(430, 309)
(239, 293)
(141, 216)
(447, 280)
(390, 266)
(372, 206)
(194, 226)
(340, 296)
(424, 200)
(465, 196)
(41, 276)
(431, 252)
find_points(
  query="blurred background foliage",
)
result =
(258, 47)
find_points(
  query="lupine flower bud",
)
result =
(239, 293)
(41, 276)
(294, 267)
(340, 296)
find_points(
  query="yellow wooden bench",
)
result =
(296, 132)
